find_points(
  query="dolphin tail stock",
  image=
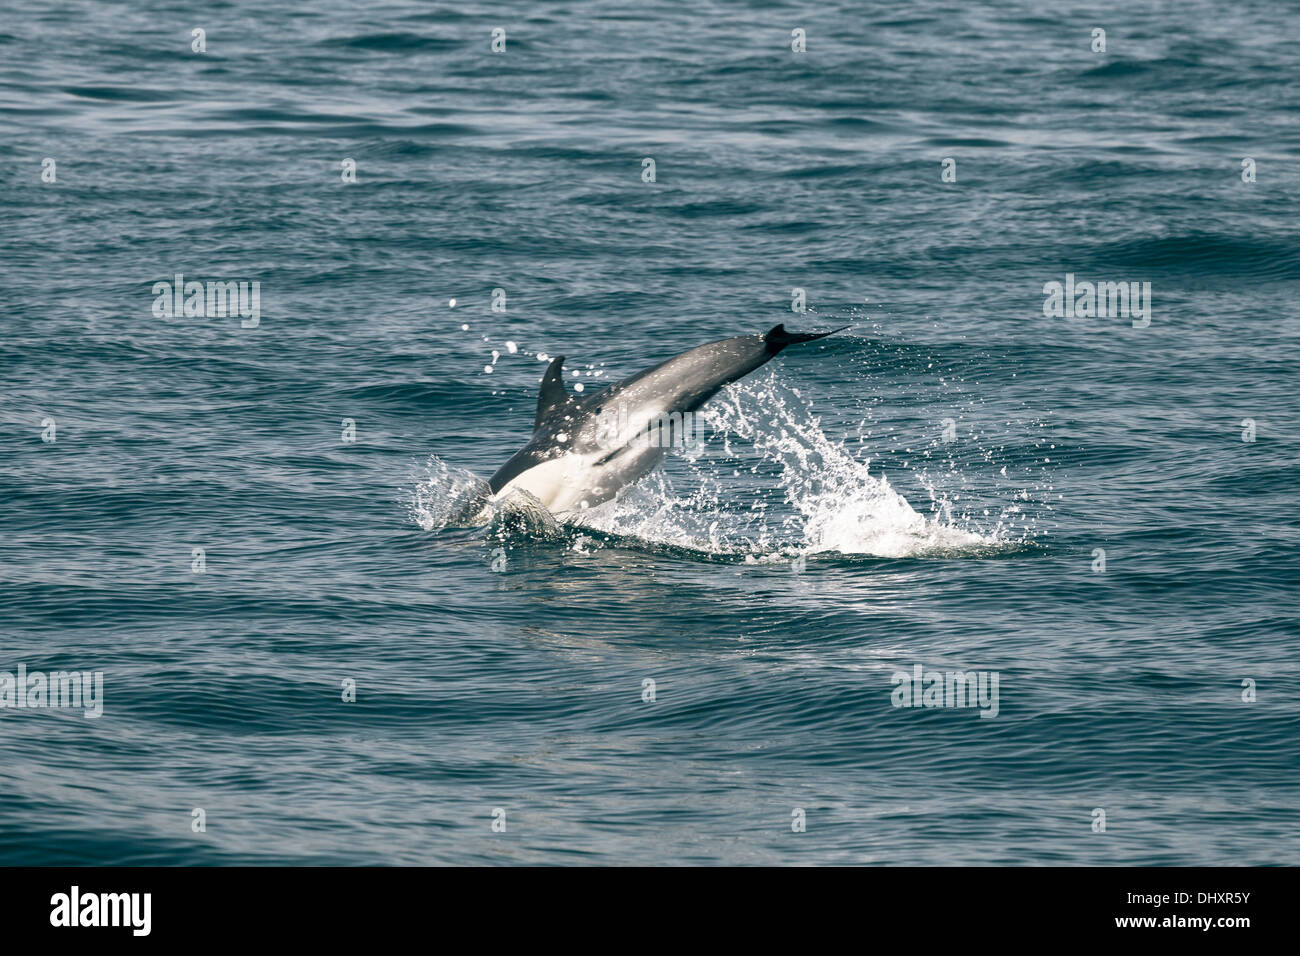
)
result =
(778, 338)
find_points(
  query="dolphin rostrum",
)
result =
(586, 448)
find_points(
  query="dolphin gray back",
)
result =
(686, 381)
(680, 384)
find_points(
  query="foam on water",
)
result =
(444, 495)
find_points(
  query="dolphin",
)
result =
(587, 448)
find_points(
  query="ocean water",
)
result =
(939, 485)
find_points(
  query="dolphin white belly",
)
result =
(578, 481)
(567, 483)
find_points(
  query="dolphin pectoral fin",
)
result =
(778, 338)
(553, 394)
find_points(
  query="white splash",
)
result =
(766, 446)
(444, 495)
(837, 504)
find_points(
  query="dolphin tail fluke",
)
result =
(778, 338)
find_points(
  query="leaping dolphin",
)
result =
(585, 449)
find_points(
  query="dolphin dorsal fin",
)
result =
(553, 394)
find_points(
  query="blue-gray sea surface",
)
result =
(958, 481)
